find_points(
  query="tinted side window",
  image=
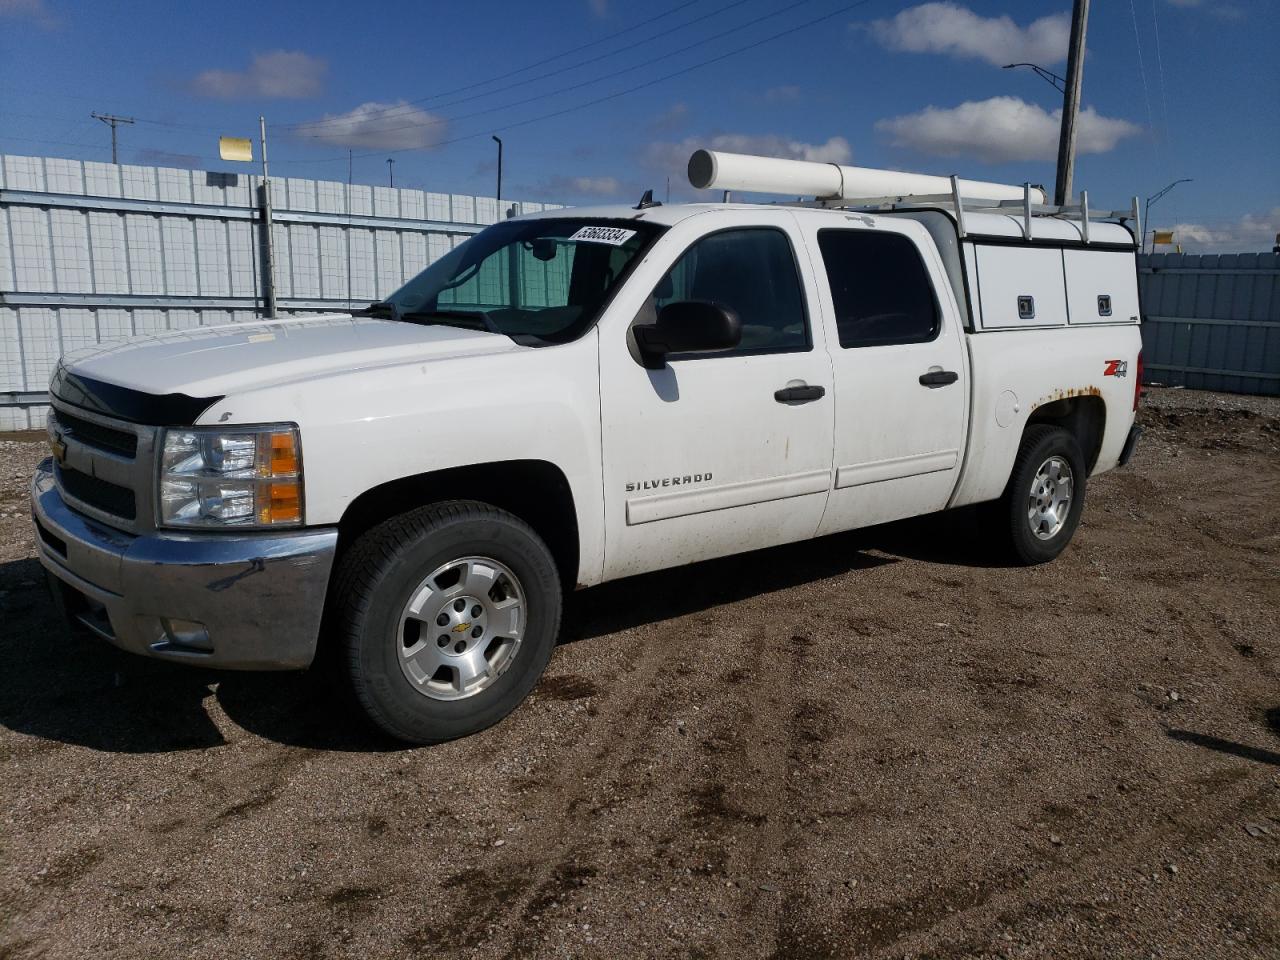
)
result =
(752, 271)
(881, 291)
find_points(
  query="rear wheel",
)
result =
(448, 616)
(1041, 506)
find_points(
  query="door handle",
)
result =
(939, 378)
(802, 394)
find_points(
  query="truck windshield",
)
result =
(536, 281)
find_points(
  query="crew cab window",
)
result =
(880, 289)
(753, 272)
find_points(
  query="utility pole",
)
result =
(270, 298)
(1071, 103)
(112, 121)
(498, 141)
(391, 173)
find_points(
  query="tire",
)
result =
(393, 589)
(1029, 517)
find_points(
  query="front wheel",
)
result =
(1041, 506)
(448, 615)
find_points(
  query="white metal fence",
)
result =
(94, 252)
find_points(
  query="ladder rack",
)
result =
(961, 205)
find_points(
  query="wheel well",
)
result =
(1085, 418)
(534, 490)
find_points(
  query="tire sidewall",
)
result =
(1029, 547)
(374, 637)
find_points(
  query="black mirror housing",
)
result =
(688, 326)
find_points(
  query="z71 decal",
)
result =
(1116, 368)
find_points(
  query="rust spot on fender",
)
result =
(1066, 393)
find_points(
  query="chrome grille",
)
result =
(105, 466)
(100, 494)
(122, 442)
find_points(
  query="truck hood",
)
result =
(224, 360)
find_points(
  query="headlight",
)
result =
(231, 477)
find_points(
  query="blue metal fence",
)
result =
(1212, 322)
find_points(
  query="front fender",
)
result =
(363, 428)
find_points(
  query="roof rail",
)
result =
(960, 205)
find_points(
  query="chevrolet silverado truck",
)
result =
(571, 398)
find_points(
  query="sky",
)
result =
(596, 100)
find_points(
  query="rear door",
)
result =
(901, 373)
(707, 456)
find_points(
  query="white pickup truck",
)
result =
(567, 399)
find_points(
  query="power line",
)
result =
(58, 143)
(565, 53)
(843, 9)
(1142, 70)
(1164, 101)
(590, 81)
(407, 107)
(846, 8)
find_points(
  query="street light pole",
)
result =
(498, 141)
(1071, 103)
(269, 291)
(1048, 76)
(1146, 208)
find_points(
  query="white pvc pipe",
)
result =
(711, 169)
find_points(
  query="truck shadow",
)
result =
(58, 686)
(953, 538)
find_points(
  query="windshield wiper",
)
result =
(383, 308)
(473, 319)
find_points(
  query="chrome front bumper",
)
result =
(250, 602)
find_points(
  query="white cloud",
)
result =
(1227, 11)
(34, 10)
(286, 74)
(674, 157)
(1252, 233)
(1001, 129)
(580, 187)
(956, 30)
(671, 119)
(787, 93)
(378, 126)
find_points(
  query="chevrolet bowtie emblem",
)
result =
(58, 447)
(462, 628)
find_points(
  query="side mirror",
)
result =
(688, 326)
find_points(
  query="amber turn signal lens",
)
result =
(282, 503)
(278, 454)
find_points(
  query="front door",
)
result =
(711, 455)
(901, 394)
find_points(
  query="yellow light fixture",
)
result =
(235, 148)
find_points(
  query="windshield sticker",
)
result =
(614, 236)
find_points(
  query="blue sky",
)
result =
(1172, 88)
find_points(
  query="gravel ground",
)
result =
(877, 745)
